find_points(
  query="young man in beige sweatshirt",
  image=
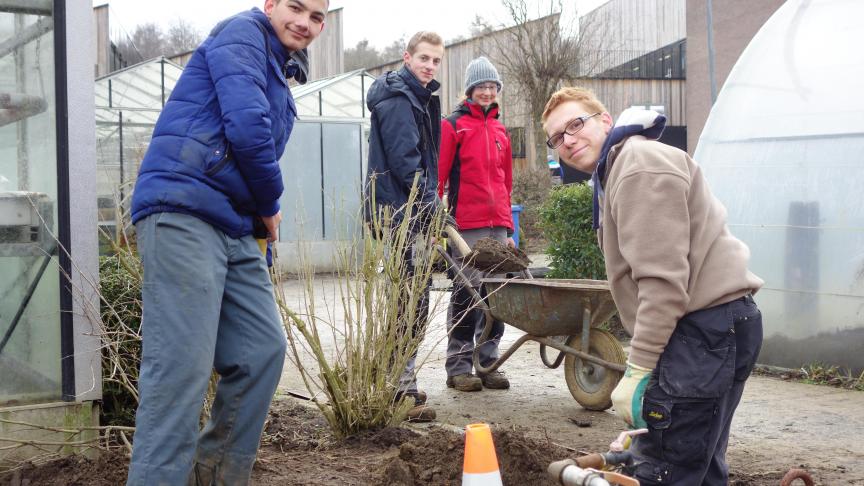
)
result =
(680, 282)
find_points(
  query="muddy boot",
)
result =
(495, 380)
(420, 412)
(419, 396)
(465, 382)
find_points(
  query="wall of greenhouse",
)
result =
(323, 165)
(782, 150)
(50, 351)
(128, 103)
(323, 168)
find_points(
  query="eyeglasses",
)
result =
(487, 87)
(572, 128)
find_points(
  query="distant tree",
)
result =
(480, 26)
(394, 51)
(538, 54)
(182, 37)
(362, 56)
(149, 40)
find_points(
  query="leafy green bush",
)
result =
(565, 218)
(530, 188)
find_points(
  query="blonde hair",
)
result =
(582, 95)
(426, 36)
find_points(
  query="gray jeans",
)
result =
(465, 320)
(208, 303)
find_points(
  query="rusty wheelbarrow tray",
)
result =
(560, 314)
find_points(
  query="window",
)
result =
(30, 338)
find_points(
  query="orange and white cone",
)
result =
(481, 465)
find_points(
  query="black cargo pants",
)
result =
(692, 395)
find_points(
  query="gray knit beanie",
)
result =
(479, 71)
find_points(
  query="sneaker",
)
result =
(465, 382)
(495, 380)
(421, 413)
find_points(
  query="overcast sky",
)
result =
(380, 21)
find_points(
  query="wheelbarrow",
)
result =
(561, 314)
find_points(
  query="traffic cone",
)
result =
(481, 465)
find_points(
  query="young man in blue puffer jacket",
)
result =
(211, 170)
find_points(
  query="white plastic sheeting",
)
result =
(783, 149)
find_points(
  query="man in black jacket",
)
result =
(403, 146)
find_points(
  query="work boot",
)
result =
(420, 396)
(495, 380)
(421, 413)
(465, 382)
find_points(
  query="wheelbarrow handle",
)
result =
(457, 240)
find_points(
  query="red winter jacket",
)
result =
(476, 165)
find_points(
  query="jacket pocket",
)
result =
(689, 368)
(221, 158)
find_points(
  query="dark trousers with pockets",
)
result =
(416, 326)
(692, 395)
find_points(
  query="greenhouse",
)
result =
(128, 102)
(782, 150)
(50, 372)
(323, 169)
(323, 164)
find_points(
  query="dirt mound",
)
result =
(109, 469)
(436, 459)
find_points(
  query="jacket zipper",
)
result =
(489, 165)
(220, 164)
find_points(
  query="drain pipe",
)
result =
(567, 473)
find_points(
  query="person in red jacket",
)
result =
(476, 167)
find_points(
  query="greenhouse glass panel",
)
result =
(343, 181)
(30, 341)
(128, 103)
(343, 99)
(782, 150)
(340, 96)
(302, 203)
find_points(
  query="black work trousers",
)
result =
(693, 393)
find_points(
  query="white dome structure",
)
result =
(783, 149)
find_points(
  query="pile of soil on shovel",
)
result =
(494, 256)
(298, 449)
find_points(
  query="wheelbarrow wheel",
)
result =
(591, 385)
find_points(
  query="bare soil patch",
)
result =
(299, 450)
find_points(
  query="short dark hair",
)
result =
(423, 36)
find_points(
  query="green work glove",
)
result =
(627, 396)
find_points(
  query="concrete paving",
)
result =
(779, 424)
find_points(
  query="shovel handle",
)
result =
(457, 240)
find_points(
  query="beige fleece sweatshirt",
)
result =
(668, 251)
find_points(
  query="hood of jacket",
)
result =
(401, 83)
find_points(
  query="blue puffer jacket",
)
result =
(404, 138)
(216, 145)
